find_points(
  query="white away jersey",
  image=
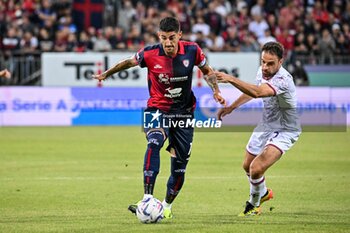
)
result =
(280, 111)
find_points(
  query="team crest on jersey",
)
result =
(186, 62)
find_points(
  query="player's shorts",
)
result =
(180, 138)
(282, 140)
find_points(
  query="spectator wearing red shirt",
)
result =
(320, 14)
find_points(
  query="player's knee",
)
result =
(246, 166)
(256, 170)
(155, 139)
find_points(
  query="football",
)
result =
(149, 210)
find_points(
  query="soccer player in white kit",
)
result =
(279, 128)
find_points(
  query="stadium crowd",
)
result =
(318, 30)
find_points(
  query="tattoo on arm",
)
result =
(212, 82)
(122, 65)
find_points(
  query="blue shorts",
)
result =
(180, 138)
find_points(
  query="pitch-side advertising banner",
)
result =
(75, 69)
(35, 106)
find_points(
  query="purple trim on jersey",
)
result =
(270, 144)
(170, 78)
(274, 90)
(250, 152)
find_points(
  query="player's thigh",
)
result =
(283, 140)
(180, 141)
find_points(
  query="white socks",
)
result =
(257, 190)
(166, 205)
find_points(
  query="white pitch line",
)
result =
(162, 177)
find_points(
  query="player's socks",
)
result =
(257, 190)
(152, 160)
(176, 179)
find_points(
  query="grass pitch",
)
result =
(81, 179)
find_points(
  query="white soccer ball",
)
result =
(150, 210)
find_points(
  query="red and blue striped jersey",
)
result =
(170, 78)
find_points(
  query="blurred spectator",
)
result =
(249, 44)
(266, 38)
(320, 14)
(84, 42)
(134, 39)
(287, 40)
(29, 43)
(201, 26)
(299, 74)
(46, 43)
(312, 48)
(258, 8)
(232, 42)
(72, 43)
(61, 41)
(327, 47)
(101, 44)
(258, 26)
(45, 13)
(300, 47)
(215, 43)
(213, 19)
(10, 42)
(120, 38)
(126, 14)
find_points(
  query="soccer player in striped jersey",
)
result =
(170, 66)
(279, 128)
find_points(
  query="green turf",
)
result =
(81, 179)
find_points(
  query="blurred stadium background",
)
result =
(53, 46)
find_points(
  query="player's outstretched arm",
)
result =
(254, 91)
(122, 65)
(5, 73)
(227, 110)
(210, 78)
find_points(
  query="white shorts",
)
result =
(281, 140)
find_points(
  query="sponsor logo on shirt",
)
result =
(173, 93)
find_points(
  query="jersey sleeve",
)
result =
(279, 85)
(140, 58)
(201, 60)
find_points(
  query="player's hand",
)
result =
(6, 74)
(99, 77)
(218, 98)
(224, 111)
(222, 77)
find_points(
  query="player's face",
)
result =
(270, 64)
(169, 41)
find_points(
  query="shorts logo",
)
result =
(186, 62)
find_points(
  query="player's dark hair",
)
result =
(169, 24)
(274, 48)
